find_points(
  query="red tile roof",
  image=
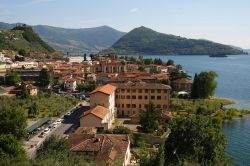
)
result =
(108, 147)
(183, 81)
(98, 111)
(106, 89)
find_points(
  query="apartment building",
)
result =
(103, 111)
(133, 96)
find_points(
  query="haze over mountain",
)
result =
(75, 40)
(143, 40)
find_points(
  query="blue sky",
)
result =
(225, 21)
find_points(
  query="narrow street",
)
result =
(68, 125)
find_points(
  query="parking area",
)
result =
(61, 127)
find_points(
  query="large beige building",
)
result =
(109, 67)
(133, 96)
(103, 111)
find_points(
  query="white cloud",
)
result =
(134, 10)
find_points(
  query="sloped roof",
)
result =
(109, 147)
(98, 111)
(106, 89)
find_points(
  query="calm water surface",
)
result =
(233, 83)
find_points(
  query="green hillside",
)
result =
(143, 40)
(90, 40)
(23, 37)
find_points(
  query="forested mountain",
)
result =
(23, 38)
(75, 40)
(143, 40)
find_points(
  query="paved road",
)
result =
(64, 129)
(71, 122)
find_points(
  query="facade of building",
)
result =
(109, 67)
(103, 148)
(103, 111)
(182, 84)
(70, 84)
(98, 117)
(32, 90)
(133, 96)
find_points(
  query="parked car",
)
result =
(59, 121)
(87, 99)
(42, 135)
(46, 131)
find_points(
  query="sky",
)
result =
(223, 21)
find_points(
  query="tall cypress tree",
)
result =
(194, 91)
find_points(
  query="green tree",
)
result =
(204, 85)
(22, 52)
(12, 78)
(141, 68)
(44, 77)
(170, 62)
(13, 121)
(85, 57)
(150, 119)
(165, 81)
(33, 110)
(196, 139)
(55, 151)
(87, 86)
(23, 94)
(11, 151)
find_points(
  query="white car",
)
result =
(46, 131)
(59, 121)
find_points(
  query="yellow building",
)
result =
(103, 111)
(133, 96)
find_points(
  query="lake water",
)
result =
(234, 83)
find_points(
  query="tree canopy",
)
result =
(197, 140)
(204, 85)
(44, 77)
(12, 78)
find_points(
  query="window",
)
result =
(146, 97)
(128, 105)
(146, 90)
(139, 105)
(122, 105)
(158, 97)
(116, 96)
(152, 91)
(128, 90)
(158, 90)
(134, 91)
(139, 97)
(165, 91)
(146, 106)
(123, 90)
(152, 97)
(140, 91)
(128, 112)
(128, 97)
(133, 97)
(133, 105)
(117, 90)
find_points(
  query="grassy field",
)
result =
(49, 105)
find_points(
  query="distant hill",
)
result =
(23, 37)
(76, 40)
(143, 40)
(247, 50)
